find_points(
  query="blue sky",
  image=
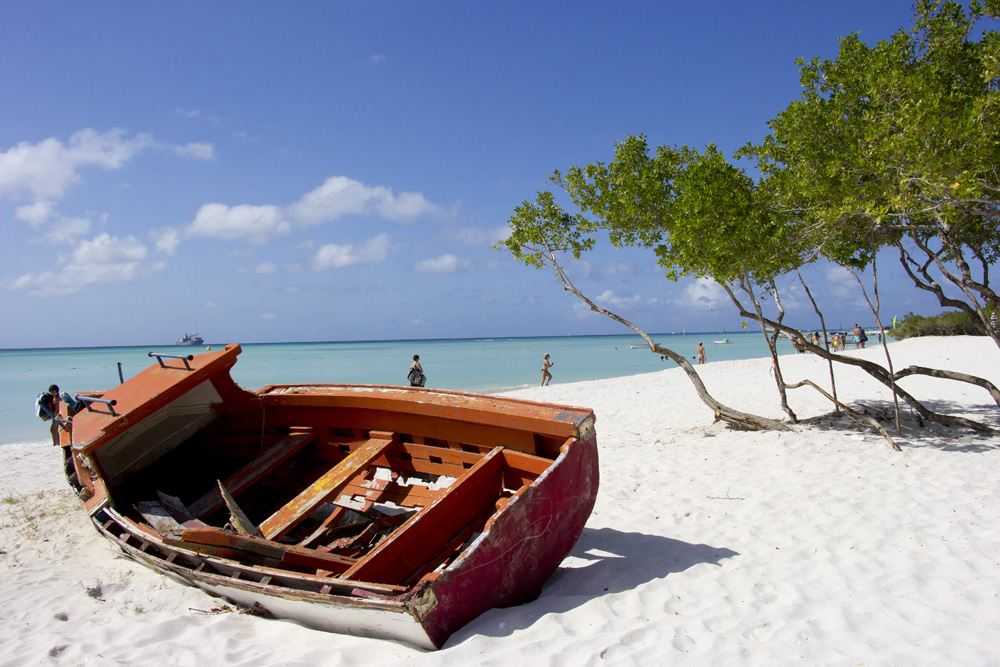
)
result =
(315, 171)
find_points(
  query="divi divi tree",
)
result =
(898, 145)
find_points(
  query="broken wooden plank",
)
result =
(241, 522)
(286, 518)
(158, 517)
(274, 456)
(412, 495)
(215, 538)
(432, 527)
(330, 520)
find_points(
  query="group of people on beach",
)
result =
(418, 379)
(838, 341)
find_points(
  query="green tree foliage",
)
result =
(899, 144)
(695, 210)
(951, 323)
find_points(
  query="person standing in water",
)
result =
(546, 375)
(700, 352)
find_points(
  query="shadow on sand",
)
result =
(603, 562)
(916, 432)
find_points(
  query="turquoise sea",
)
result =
(485, 365)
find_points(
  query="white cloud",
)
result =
(103, 259)
(67, 230)
(444, 264)
(165, 239)
(198, 150)
(378, 59)
(405, 207)
(703, 294)
(35, 214)
(45, 171)
(340, 195)
(265, 268)
(336, 256)
(269, 316)
(609, 299)
(480, 236)
(841, 283)
(258, 224)
(336, 197)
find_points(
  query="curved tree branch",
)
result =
(880, 374)
(951, 375)
(722, 412)
(854, 413)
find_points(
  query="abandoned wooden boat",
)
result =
(380, 511)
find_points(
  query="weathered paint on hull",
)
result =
(508, 565)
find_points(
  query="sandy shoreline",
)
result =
(706, 546)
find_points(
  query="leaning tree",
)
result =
(701, 217)
(898, 145)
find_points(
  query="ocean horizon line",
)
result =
(376, 341)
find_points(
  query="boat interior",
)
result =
(349, 493)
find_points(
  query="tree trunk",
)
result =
(772, 344)
(722, 412)
(879, 373)
(822, 322)
(881, 330)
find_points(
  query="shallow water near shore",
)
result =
(486, 365)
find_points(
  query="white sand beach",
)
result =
(707, 546)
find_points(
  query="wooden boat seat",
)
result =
(281, 451)
(211, 540)
(408, 549)
(330, 484)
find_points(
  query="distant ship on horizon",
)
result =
(191, 339)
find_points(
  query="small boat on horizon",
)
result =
(380, 511)
(190, 339)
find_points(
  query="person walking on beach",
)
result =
(416, 375)
(546, 375)
(700, 352)
(47, 407)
